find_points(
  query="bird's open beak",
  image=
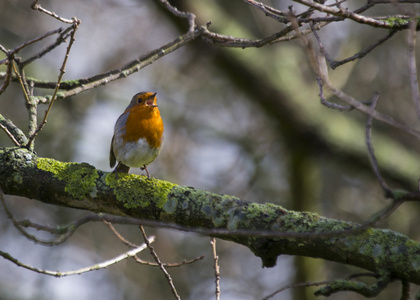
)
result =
(151, 101)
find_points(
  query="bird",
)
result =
(138, 135)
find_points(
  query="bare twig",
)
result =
(269, 11)
(321, 46)
(99, 266)
(229, 41)
(187, 15)
(364, 52)
(118, 235)
(17, 136)
(3, 49)
(295, 285)
(64, 231)
(216, 268)
(8, 76)
(371, 3)
(329, 104)
(347, 14)
(25, 44)
(11, 53)
(234, 42)
(365, 109)
(161, 266)
(334, 64)
(9, 134)
(38, 7)
(76, 24)
(371, 150)
(19, 225)
(412, 67)
(60, 39)
(23, 83)
(136, 65)
(308, 284)
(319, 66)
(31, 104)
(169, 265)
(148, 263)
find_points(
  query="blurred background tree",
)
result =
(245, 122)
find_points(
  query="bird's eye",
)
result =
(139, 99)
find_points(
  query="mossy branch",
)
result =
(282, 231)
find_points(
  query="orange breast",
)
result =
(144, 122)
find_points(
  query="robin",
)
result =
(138, 135)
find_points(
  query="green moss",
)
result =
(307, 222)
(50, 165)
(138, 191)
(80, 179)
(396, 22)
(398, 194)
(72, 83)
(170, 206)
(18, 179)
(160, 191)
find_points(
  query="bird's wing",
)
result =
(112, 158)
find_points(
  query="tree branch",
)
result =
(81, 85)
(347, 14)
(151, 200)
(101, 265)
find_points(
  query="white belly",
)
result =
(135, 154)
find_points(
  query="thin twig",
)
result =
(169, 265)
(296, 285)
(80, 85)
(136, 65)
(64, 34)
(3, 49)
(364, 52)
(161, 266)
(331, 105)
(64, 231)
(99, 266)
(10, 135)
(76, 24)
(8, 76)
(347, 14)
(187, 15)
(38, 7)
(229, 41)
(118, 235)
(319, 66)
(148, 263)
(25, 44)
(412, 67)
(216, 268)
(386, 119)
(18, 225)
(13, 130)
(334, 63)
(269, 11)
(235, 42)
(321, 46)
(318, 283)
(371, 150)
(23, 83)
